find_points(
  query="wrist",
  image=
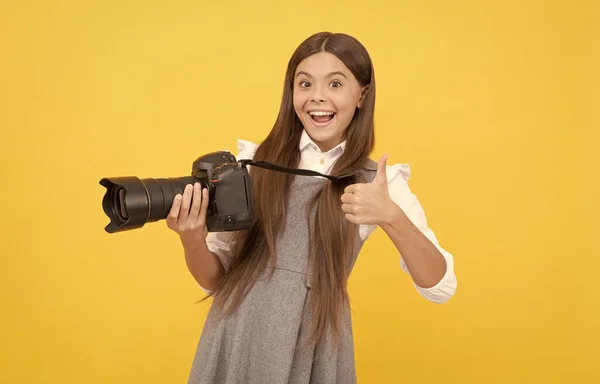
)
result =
(395, 220)
(193, 243)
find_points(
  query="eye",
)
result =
(304, 84)
(336, 84)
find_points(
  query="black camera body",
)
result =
(131, 202)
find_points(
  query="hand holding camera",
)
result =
(187, 216)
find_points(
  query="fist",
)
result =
(369, 203)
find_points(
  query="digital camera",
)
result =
(131, 202)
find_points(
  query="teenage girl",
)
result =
(280, 311)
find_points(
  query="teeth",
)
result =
(320, 113)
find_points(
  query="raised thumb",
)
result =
(380, 176)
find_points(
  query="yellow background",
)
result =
(492, 104)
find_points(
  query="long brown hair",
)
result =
(333, 237)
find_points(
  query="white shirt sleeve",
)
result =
(400, 193)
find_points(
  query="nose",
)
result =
(318, 95)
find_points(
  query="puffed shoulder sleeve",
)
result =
(398, 176)
(220, 243)
(246, 150)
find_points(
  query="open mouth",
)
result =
(321, 117)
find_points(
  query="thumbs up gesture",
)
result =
(369, 203)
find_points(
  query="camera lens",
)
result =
(119, 206)
(131, 202)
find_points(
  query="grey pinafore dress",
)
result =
(261, 343)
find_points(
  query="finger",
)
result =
(184, 212)
(174, 212)
(381, 177)
(196, 202)
(348, 198)
(204, 207)
(353, 188)
(348, 208)
(351, 218)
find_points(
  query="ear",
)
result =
(363, 93)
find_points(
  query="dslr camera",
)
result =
(130, 202)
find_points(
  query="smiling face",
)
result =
(326, 95)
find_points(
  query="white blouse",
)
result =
(397, 175)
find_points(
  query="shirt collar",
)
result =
(305, 141)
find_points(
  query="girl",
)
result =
(280, 312)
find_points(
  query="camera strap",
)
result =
(302, 172)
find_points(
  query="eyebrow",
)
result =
(329, 75)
